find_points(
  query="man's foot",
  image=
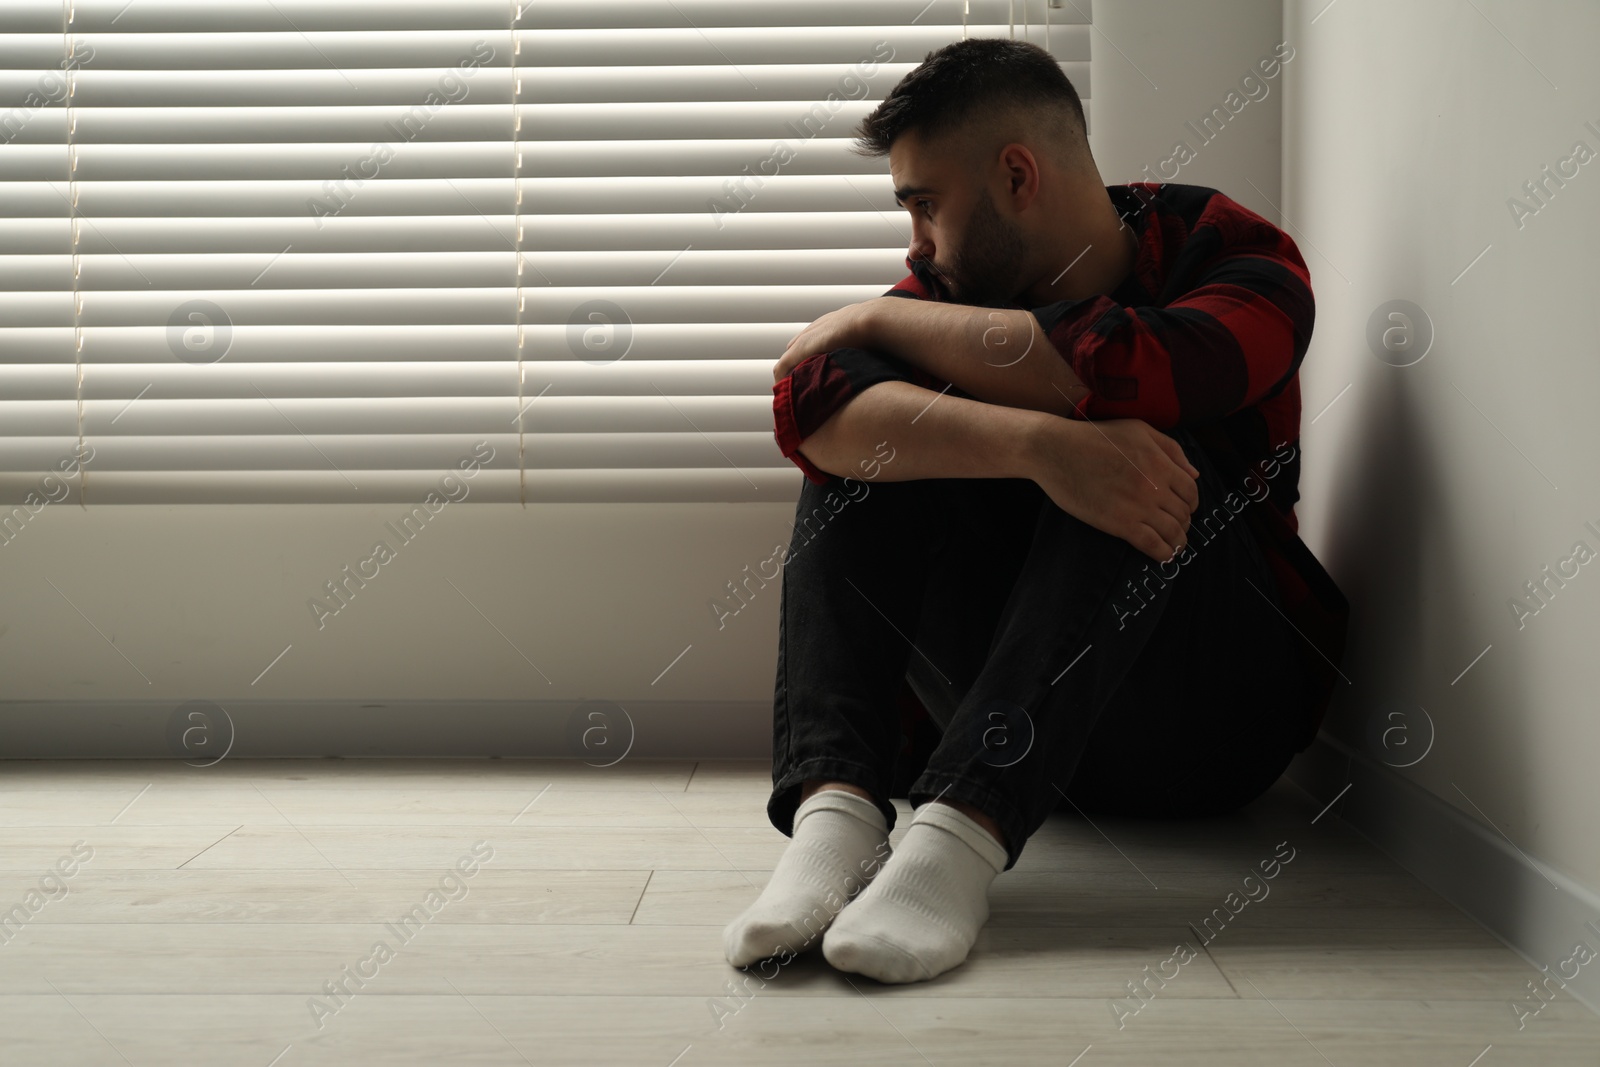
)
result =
(921, 915)
(840, 841)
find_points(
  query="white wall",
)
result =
(1435, 490)
(200, 599)
(1406, 129)
(1159, 64)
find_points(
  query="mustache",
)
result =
(933, 267)
(945, 282)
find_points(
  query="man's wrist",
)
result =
(1040, 442)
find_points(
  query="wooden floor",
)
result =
(212, 910)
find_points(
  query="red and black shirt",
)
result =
(1206, 334)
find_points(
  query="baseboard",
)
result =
(1537, 911)
(597, 731)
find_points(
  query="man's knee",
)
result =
(849, 500)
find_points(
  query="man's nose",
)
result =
(920, 248)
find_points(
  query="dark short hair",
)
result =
(965, 80)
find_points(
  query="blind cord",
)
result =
(69, 49)
(516, 238)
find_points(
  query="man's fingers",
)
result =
(1154, 544)
(1181, 458)
(1163, 532)
(1173, 508)
(1189, 491)
(785, 364)
(1185, 486)
(1173, 532)
(1182, 484)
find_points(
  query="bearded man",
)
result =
(1049, 486)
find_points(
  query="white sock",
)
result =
(840, 841)
(921, 915)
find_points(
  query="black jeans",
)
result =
(1018, 627)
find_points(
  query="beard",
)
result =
(987, 263)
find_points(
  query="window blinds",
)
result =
(289, 251)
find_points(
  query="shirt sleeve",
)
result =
(803, 400)
(1232, 329)
(820, 384)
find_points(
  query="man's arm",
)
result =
(1235, 334)
(1119, 476)
(899, 432)
(997, 355)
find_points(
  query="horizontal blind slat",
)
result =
(766, 483)
(364, 167)
(47, 348)
(489, 46)
(567, 381)
(467, 306)
(283, 270)
(204, 422)
(409, 451)
(247, 15)
(771, 232)
(685, 83)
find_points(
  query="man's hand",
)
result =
(1121, 476)
(854, 326)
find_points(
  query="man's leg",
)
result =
(1081, 617)
(1212, 736)
(851, 593)
(1168, 744)
(858, 565)
(976, 546)
(989, 529)
(850, 596)
(1089, 618)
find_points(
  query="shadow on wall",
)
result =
(1399, 553)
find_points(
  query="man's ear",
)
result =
(1022, 174)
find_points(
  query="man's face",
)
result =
(955, 225)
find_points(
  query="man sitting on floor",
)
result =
(1069, 375)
